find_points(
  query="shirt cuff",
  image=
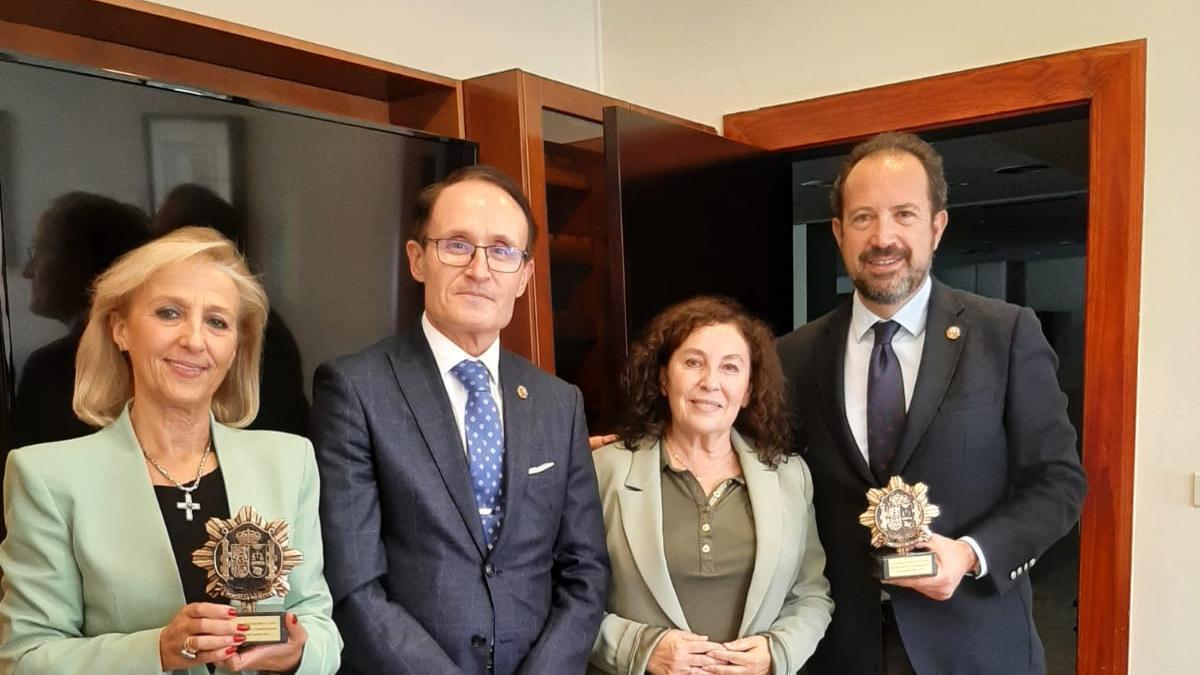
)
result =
(647, 641)
(983, 567)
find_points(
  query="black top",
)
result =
(187, 536)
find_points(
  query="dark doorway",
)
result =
(1018, 231)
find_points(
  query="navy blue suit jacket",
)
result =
(415, 589)
(987, 431)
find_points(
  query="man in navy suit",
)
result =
(912, 378)
(462, 525)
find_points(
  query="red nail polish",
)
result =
(243, 627)
(295, 620)
(239, 638)
(232, 612)
(229, 651)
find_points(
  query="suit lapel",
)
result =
(831, 359)
(150, 550)
(519, 429)
(939, 359)
(763, 485)
(243, 476)
(641, 520)
(421, 385)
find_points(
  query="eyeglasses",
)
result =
(460, 253)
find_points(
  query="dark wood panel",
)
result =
(194, 36)
(93, 53)
(1111, 80)
(187, 48)
(580, 102)
(697, 213)
(563, 320)
(494, 109)
(438, 112)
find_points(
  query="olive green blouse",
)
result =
(709, 542)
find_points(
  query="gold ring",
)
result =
(188, 651)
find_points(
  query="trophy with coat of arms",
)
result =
(898, 516)
(248, 560)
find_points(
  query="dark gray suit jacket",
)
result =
(415, 589)
(987, 431)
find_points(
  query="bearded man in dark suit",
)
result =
(911, 378)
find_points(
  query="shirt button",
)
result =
(706, 548)
(489, 569)
(705, 527)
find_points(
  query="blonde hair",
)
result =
(103, 379)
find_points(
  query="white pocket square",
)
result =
(540, 468)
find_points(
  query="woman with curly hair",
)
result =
(716, 564)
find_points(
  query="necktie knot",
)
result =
(473, 375)
(885, 331)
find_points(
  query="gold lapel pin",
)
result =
(522, 392)
(953, 333)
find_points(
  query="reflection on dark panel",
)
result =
(580, 263)
(824, 266)
(75, 239)
(92, 166)
(698, 214)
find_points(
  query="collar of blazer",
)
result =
(641, 519)
(423, 390)
(830, 357)
(241, 472)
(939, 360)
(148, 548)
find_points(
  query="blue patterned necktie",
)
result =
(885, 401)
(485, 446)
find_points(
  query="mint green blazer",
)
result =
(89, 576)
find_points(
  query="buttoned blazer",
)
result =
(89, 574)
(788, 600)
(415, 587)
(987, 431)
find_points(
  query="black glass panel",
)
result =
(92, 165)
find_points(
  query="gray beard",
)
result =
(894, 290)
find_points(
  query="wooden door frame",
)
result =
(1110, 80)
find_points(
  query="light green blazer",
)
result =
(89, 575)
(788, 600)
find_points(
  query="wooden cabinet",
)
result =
(170, 45)
(550, 136)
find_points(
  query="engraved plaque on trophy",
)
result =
(898, 516)
(248, 560)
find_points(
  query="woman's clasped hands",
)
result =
(682, 653)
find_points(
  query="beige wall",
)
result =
(455, 38)
(721, 57)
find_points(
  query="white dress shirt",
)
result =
(908, 343)
(447, 355)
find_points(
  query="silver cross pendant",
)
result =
(187, 506)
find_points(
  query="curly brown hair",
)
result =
(647, 414)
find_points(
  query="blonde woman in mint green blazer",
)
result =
(92, 566)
